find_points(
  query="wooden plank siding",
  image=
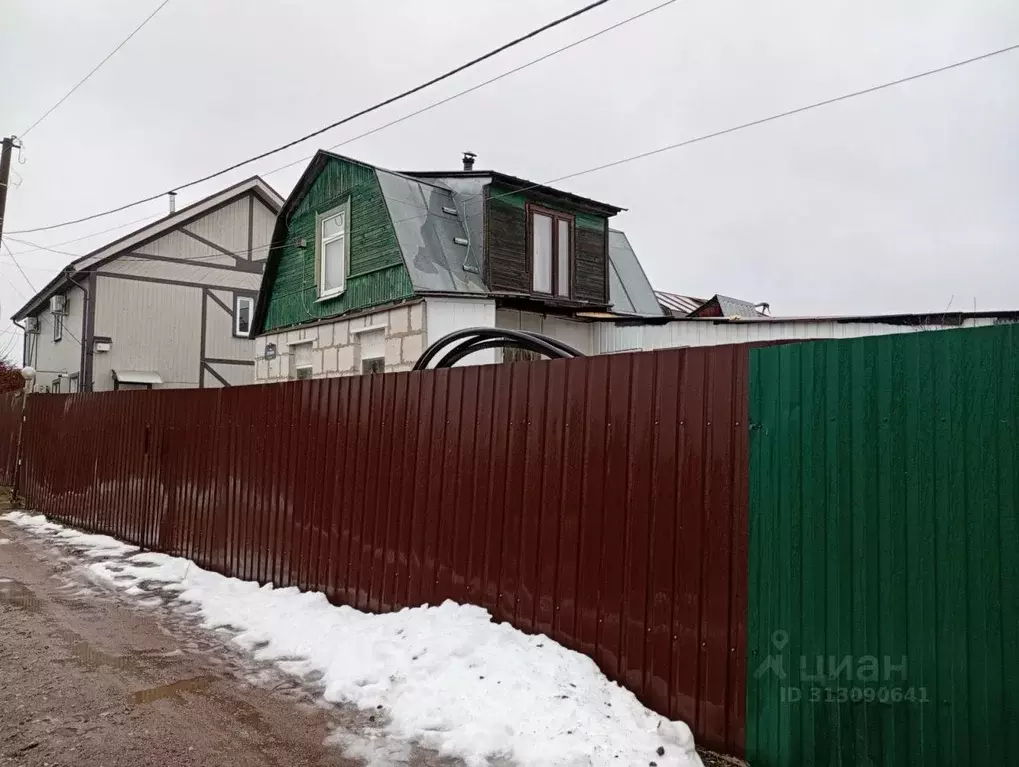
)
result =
(377, 272)
(508, 262)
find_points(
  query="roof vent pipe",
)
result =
(172, 198)
(469, 161)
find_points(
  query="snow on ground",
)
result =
(445, 677)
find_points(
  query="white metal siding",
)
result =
(227, 227)
(183, 272)
(610, 338)
(236, 375)
(444, 315)
(64, 356)
(579, 335)
(261, 231)
(178, 245)
(152, 327)
(219, 338)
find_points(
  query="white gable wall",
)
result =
(52, 358)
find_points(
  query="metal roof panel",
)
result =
(428, 235)
(629, 289)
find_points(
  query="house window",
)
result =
(371, 344)
(58, 326)
(300, 361)
(373, 365)
(551, 248)
(56, 386)
(243, 308)
(72, 384)
(332, 250)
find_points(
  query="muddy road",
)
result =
(88, 678)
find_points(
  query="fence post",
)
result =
(16, 484)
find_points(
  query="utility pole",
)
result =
(5, 176)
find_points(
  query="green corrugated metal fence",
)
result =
(884, 551)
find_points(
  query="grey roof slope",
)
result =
(676, 304)
(735, 307)
(629, 289)
(427, 235)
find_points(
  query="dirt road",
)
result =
(88, 679)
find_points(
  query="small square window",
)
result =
(244, 306)
(301, 366)
(373, 365)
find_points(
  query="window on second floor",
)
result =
(332, 251)
(551, 251)
(243, 308)
(58, 326)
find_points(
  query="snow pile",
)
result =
(445, 677)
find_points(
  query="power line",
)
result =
(343, 121)
(631, 158)
(95, 69)
(473, 88)
(42, 315)
(36, 247)
(15, 260)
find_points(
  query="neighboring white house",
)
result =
(167, 306)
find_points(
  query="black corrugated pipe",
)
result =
(478, 339)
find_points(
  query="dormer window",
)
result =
(332, 250)
(551, 250)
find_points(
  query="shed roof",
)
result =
(629, 289)
(676, 304)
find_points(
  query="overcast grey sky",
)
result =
(890, 202)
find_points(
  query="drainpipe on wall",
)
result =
(84, 369)
(24, 343)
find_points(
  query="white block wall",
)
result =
(337, 348)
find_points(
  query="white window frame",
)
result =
(58, 327)
(238, 300)
(321, 242)
(295, 369)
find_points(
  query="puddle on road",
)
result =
(195, 684)
(15, 593)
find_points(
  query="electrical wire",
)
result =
(473, 88)
(669, 147)
(375, 107)
(95, 69)
(631, 158)
(36, 247)
(43, 314)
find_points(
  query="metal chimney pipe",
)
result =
(173, 202)
(469, 161)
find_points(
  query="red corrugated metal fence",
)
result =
(10, 420)
(602, 501)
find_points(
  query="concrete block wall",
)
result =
(337, 348)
